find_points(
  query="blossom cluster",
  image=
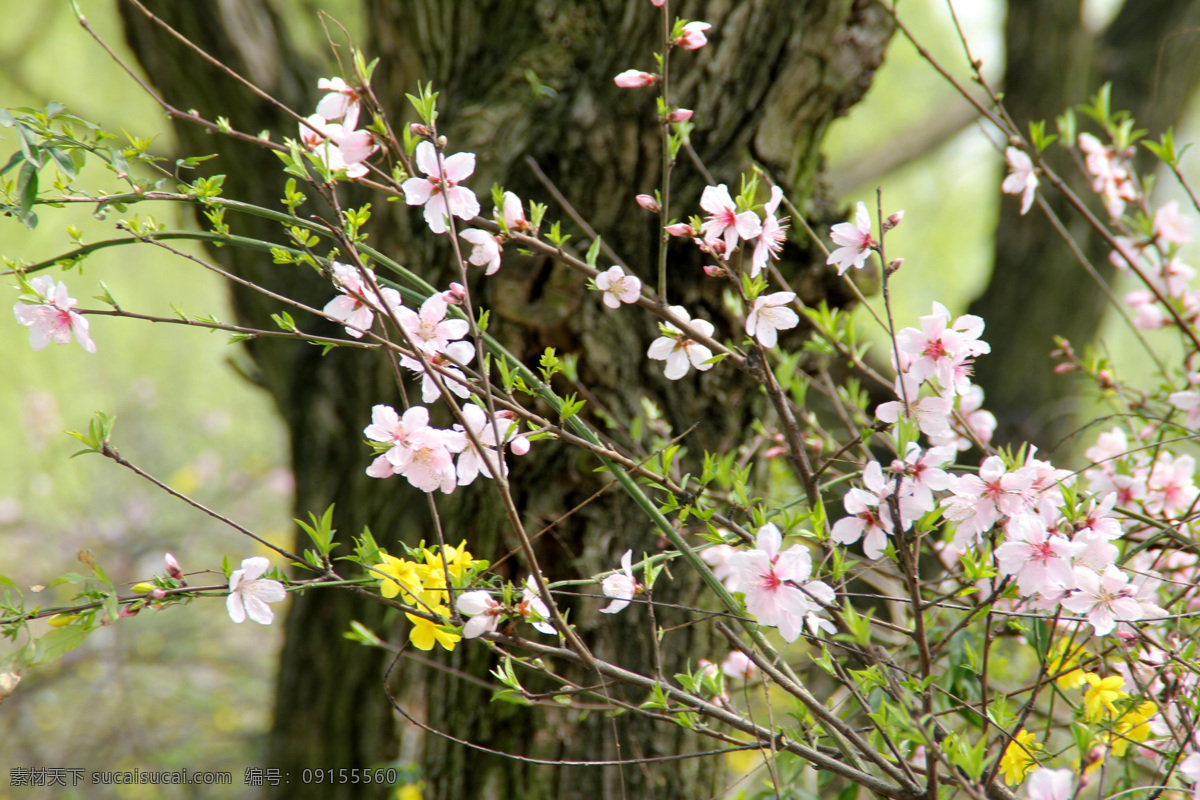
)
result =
(426, 456)
(776, 583)
(423, 585)
(724, 227)
(1168, 278)
(339, 145)
(940, 356)
(486, 612)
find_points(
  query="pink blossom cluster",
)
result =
(338, 144)
(358, 301)
(909, 491)
(438, 341)
(426, 456)
(1111, 176)
(437, 338)
(486, 612)
(776, 584)
(725, 227)
(940, 355)
(1157, 259)
(1058, 555)
(1162, 486)
(486, 247)
(53, 318)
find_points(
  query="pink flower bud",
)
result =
(634, 79)
(657, 3)
(455, 294)
(713, 271)
(693, 37)
(173, 568)
(680, 115)
(649, 203)
(680, 229)
(1062, 369)
(442, 141)
(156, 594)
(417, 129)
(129, 611)
(894, 219)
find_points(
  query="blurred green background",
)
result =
(186, 687)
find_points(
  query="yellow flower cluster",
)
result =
(423, 585)
(1019, 757)
(1128, 727)
(1064, 666)
(1131, 726)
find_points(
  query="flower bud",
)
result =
(649, 203)
(634, 79)
(679, 115)
(893, 220)
(680, 229)
(417, 129)
(143, 588)
(442, 141)
(713, 271)
(693, 37)
(895, 264)
(455, 294)
(173, 568)
(157, 594)
(130, 610)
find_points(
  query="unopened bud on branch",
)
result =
(649, 203)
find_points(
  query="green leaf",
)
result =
(27, 191)
(593, 252)
(64, 162)
(119, 164)
(16, 158)
(58, 642)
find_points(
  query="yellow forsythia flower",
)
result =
(1102, 695)
(1132, 727)
(1018, 758)
(426, 634)
(458, 560)
(1059, 664)
(400, 574)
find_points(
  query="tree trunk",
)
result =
(1037, 288)
(764, 90)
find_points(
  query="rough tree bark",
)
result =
(1038, 288)
(764, 90)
